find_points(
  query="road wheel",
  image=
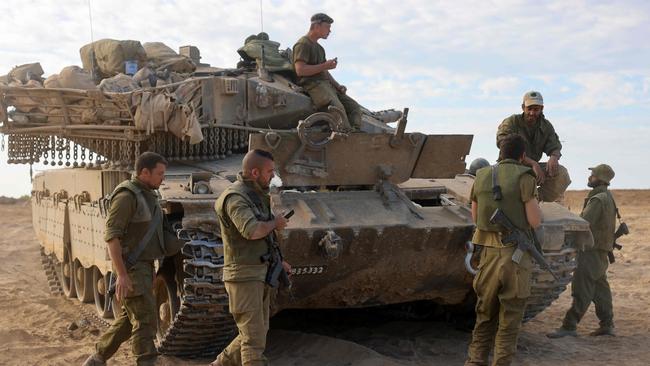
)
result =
(83, 282)
(100, 287)
(167, 303)
(67, 282)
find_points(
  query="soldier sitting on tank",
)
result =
(133, 210)
(501, 285)
(539, 134)
(312, 67)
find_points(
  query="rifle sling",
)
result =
(133, 256)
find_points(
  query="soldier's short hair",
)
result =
(321, 18)
(512, 146)
(263, 154)
(148, 160)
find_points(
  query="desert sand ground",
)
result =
(34, 325)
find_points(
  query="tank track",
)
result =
(203, 326)
(51, 265)
(544, 289)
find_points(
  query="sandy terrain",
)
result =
(34, 325)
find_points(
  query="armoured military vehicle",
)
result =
(381, 214)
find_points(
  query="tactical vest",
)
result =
(236, 248)
(605, 226)
(139, 223)
(509, 175)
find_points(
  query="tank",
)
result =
(382, 215)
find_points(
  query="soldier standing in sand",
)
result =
(135, 223)
(246, 220)
(501, 285)
(589, 282)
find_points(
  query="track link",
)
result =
(544, 289)
(203, 326)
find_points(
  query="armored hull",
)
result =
(381, 215)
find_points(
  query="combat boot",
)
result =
(94, 360)
(603, 331)
(562, 332)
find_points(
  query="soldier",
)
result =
(501, 285)
(589, 282)
(134, 209)
(312, 67)
(552, 178)
(245, 217)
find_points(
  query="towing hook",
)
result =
(331, 245)
(469, 247)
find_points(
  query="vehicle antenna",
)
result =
(92, 59)
(261, 17)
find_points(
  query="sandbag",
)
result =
(74, 77)
(119, 83)
(107, 57)
(52, 81)
(4, 80)
(162, 111)
(25, 104)
(26, 72)
(164, 57)
(145, 77)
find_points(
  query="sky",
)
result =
(460, 66)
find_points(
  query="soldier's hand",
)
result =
(330, 64)
(552, 165)
(539, 172)
(123, 285)
(280, 222)
(287, 268)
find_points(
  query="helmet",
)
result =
(477, 164)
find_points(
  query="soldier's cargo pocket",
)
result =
(141, 276)
(523, 273)
(245, 296)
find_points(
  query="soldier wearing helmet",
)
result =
(552, 178)
(589, 282)
(312, 69)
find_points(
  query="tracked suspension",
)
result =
(203, 326)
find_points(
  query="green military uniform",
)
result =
(241, 208)
(589, 282)
(501, 285)
(540, 139)
(132, 207)
(319, 87)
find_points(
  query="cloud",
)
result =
(607, 91)
(462, 66)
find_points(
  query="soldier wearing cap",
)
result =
(552, 178)
(312, 69)
(590, 277)
(501, 285)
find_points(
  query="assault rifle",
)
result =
(622, 230)
(523, 242)
(276, 274)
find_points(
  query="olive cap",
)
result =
(321, 18)
(603, 172)
(533, 98)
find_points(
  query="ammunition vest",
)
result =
(604, 226)
(146, 202)
(237, 249)
(508, 176)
